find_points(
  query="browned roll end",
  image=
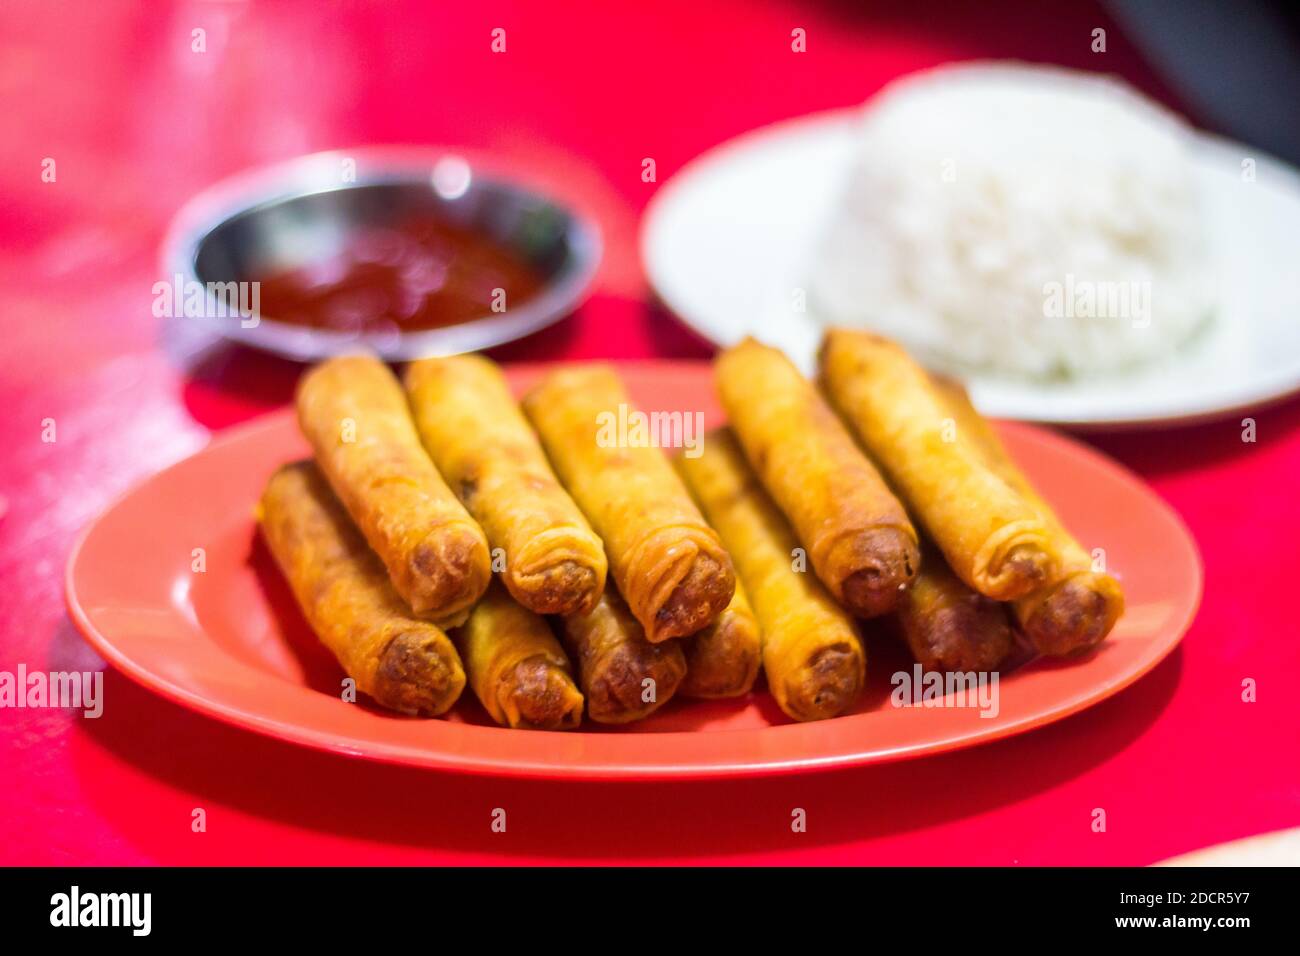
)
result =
(617, 691)
(1072, 619)
(887, 560)
(567, 587)
(723, 660)
(540, 696)
(827, 684)
(1027, 568)
(419, 673)
(973, 634)
(451, 570)
(697, 600)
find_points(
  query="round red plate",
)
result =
(229, 642)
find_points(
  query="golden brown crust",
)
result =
(667, 562)
(473, 430)
(535, 696)
(355, 416)
(813, 658)
(723, 659)
(1073, 615)
(826, 685)
(1031, 564)
(346, 596)
(560, 589)
(993, 538)
(516, 667)
(887, 560)
(416, 675)
(948, 626)
(858, 537)
(623, 675)
(1073, 609)
(691, 604)
(447, 573)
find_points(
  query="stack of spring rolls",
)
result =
(431, 544)
(444, 534)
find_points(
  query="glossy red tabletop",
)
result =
(136, 121)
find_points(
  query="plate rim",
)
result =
(658, 768)
(1278, 388)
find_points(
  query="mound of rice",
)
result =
(1027, 220)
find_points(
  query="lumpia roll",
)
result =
(516, 666)
(949, 627)
(623, 676)
(993, 538)
(1078, 607)
(404, 663)
(668, 564)
(480, 442)
(722, 660)
(354, 413)
(858, 537)
(813, 658)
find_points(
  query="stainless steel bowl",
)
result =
(307, 209)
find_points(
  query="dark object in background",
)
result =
(1237, 65)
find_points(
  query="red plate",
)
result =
(229, 641)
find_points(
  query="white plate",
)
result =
(729, 238)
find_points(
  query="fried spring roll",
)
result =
(354, 413)
(993, 538)
(402, 662)
(623, 676)
(722, 660)
(668, 564)
(1079, 606)
(516, 666)
(813, 658)
(949, 627)
(857, 534)
(480, 442)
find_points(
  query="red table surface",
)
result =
(136, 121)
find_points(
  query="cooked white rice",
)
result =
(1028, 220)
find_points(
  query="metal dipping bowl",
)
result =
(306, 210)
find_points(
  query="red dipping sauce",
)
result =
(422, 273)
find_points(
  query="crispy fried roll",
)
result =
(949, 627)
(516, 666)
(813, 658)
(354, 414)
(993, 538)
(668, 564)
(722, 660)
(858, 536)
(402, 662)
(1079, 606)
(480, 442)
(623, 676)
